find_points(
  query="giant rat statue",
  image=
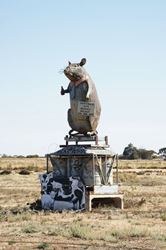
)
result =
(85, 109)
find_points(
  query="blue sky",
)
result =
(125, 46)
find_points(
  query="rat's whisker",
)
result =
(61, 71)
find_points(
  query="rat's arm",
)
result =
(64, 91)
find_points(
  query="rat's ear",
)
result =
(83, 61)
(69, 62)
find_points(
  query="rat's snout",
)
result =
(66, 70)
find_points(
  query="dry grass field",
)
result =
(16, 164)
(141, 225)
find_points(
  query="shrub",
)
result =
(11, 242)
(20, 156)
(130, 152)
(79, 231)
(5, 172)
(24, 172)
(30, 229)
(32, 156)
(162, 150)
(4, 156)
(146, 154)
(162, 153)
(163, 216)
(43, 245)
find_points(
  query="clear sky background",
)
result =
(124, 42)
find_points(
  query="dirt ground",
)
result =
(140, 225)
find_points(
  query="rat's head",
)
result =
(75, 71)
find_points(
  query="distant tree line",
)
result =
(20, 156)
(132, 153)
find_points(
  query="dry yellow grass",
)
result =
(37, 164)
(32, 164)
(141, 225)
(142, 164)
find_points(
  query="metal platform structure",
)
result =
(90, 159)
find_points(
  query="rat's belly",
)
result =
(84, 113)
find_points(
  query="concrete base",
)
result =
(112, 199)
(106, 189)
